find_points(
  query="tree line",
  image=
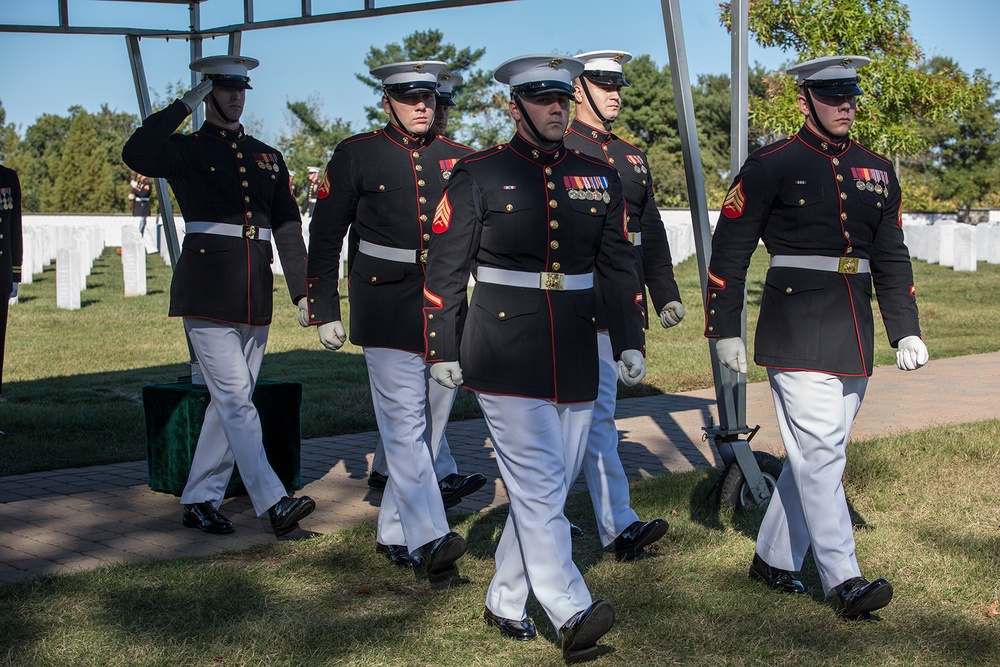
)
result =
(939, 124)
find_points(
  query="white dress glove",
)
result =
(303, 312)
(672, 314)
(332, 334)
(13, 291)
(448, 374)
(911, 353)
(631, 367)
(197, 95)
(732, 353)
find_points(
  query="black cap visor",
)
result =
(605, 78)
(835, 87)
(410, 88)
(539, 88)
(446, 100)
(230, 81)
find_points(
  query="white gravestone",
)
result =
(133, 261)
(964, 248)
(946, 243)
(68, 279)
(992, 244)
(28, 255)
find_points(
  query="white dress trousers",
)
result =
(439, 403)
(539, 446)
(412, 512)
(606, 479)
(815, 414)
(230, 356)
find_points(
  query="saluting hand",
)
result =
(672, 314)
(332, 335)
(197, 95)
(911, 353)
(448, 374)
(631, 367)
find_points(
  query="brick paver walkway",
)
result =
(70, 520)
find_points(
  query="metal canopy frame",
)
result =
(730, 387)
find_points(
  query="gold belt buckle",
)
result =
(250, 231)
(631, 238)
(422, 256)
(848, 265)
(553, 281)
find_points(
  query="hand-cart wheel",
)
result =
(735, 492)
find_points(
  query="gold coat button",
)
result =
(501, 314)
(310, 284)
(416, 153)
(239, 155)
(548, 171)
(554, 245)
(836, 162)
(245, 184)
(211, 168)
(714, 295)
(712, 311)
(843, 216)
(593, 210)
(878, 204)
(381, 187)
(553, 203)
(802, 202)
(423, 218)
(432, 353)
(230, 145)
(554, 224)
(509, 207)
(246, 198)
(311, 300)
(249, 214)
(427, 237)
(847, 235)
(556, 266)
(420, 182)
(711, 328)
(788, 290)
(201, 250)
(840, 177)
(849, 250)
(432, 334)
(593, 319)
(243, 170)
(430, 316)
(419, 168)
(374, 278)
(551, 185)
(423, 200)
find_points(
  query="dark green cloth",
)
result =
(174, 415)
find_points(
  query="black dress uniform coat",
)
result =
(653, 262)
(807, 196)
(519, 208)
(140, 201)
(387, 184)
(223, 176)
(11, 247)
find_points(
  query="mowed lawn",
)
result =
(73, 379)
(926, 514)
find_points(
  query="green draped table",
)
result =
(174, 414)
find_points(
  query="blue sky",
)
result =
(50, 73)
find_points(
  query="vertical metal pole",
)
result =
(63, 13)
(248, 11)
(739, 130)
(691, 153)
(163, 194)
(235, 43)
(197, 115)
(307, 8)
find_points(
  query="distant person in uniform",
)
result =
(540, 225)
(231, 191)
(828, 211)
(384, 186)
(139, 196)
(597, 93)
(294, 189)
(454, 486)
(11, 248)
(312, 187)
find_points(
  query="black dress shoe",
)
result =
(522, 631)
(440, 555)
(287, 512)
(636, 537)
(779, 580)
(205, 517)
(454, 487)
(581, 632)
(377, 480)
(858, 597)
(575, 530)
(398, 555)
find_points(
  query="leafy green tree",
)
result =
(480, 119)
(310, 139)
(9, 141)
(899, 94)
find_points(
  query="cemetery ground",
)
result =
(73, 379)
(923, 502)
(926, 514)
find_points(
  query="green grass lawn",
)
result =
(73, 379)
(923, 504)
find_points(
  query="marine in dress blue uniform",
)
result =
(11, 247)
(232, 191)
(541, 225)
(386, 184)
(454, 486)
(828, 211)
(598, 101)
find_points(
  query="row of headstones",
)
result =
(74, 248)
(953, 244)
